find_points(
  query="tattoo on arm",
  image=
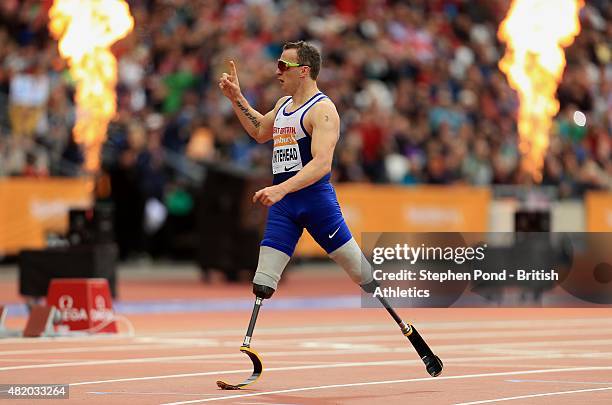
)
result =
(250, 116)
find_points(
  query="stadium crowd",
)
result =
(416, 83)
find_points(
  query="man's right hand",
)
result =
(228, 83)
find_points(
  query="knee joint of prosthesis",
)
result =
(262, 291)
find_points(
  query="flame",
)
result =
(86, 30)
(536, 31)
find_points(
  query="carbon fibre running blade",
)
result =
(257, 370)
(433, 364)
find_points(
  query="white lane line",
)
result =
(333, 329)
(261, 403)
(305, 367)
(545, 394)
(118, 348)
(564, 382)
(268, 362)
(267, 370)
(182, 343)
(146, 343)
(101, 337)
(36, 361)
(388, 337)
(368, 383)
(319, 343)
(337, 352)
(471, 346)
(174, 358)
(547, 343)
(178, 340)
(145, 393)
(338, 341)
(352, 328)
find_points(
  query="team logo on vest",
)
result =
(286, 156)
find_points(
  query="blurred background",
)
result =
(428, 138)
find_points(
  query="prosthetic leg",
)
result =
(351, 259)
(261, 292)
(433, 364)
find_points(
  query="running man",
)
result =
(305, 128)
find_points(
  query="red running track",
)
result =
(348, 356)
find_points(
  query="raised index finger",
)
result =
(233, 67)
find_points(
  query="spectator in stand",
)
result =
(416, 84)
(29, 93)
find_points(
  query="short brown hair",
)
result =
(307, 55)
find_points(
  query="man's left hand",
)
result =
(269, 195)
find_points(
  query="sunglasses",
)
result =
(283, 65)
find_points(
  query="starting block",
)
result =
(41, 320)
(84, 304)
(40, 323)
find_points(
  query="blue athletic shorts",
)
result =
(315, 208)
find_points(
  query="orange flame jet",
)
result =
(536, 31)
(86, 30)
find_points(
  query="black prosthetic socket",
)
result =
(370, 287)
(262, 291)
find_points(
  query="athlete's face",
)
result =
(288, 74)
